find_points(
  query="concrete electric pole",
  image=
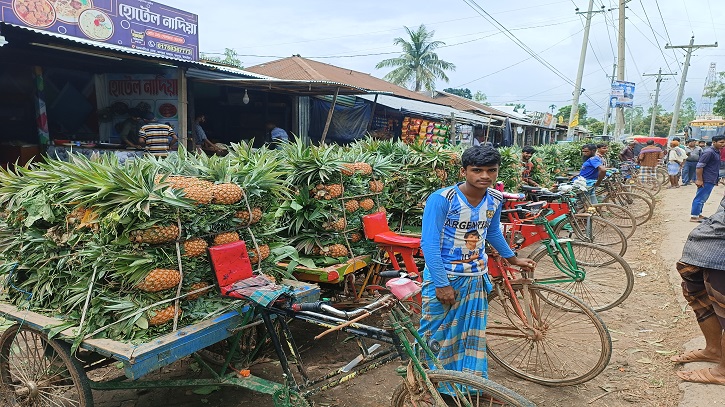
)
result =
(609, 103)
(619, 128)
(655, 108)
(691, 47)
(580, 71)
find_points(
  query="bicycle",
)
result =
(423, 385)
(642, 208)
(597, 275)
(541, 333)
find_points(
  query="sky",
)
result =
(357, 35)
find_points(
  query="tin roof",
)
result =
(425, 109)
(297, 67)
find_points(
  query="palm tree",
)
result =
(552, 107)
(418, 64)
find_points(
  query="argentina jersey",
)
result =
(464, 231)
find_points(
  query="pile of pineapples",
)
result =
(116, 245)
(332, 188)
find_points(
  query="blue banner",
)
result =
(622, 94)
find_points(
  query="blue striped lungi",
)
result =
(459, 329)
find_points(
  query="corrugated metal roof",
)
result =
(228, 72)
(426, 109)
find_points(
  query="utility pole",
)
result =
(655, 107)
(580, 72)
(609, 103)
(678, 102)
(619, 127)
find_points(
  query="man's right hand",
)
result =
(446, 295)
(699, 183)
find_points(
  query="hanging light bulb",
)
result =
(245, 99)
(3, 41)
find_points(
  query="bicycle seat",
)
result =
(529, 188)
(394, 239)
(559, 180)
(535, 206)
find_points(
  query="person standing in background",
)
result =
(202, 142)
(648, 159)
(602, 151)
(689, 170)
(627, 153)
(157, 138)
(593, 170)
(527, 166)
(128, 129)
(276, 134)
(675, 160)
(708, 171)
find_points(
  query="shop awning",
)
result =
(424, 109)
(292, 86)
(83, 46)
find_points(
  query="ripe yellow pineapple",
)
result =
(263, 254)
(199, 191)
(335, 190)
(337, 250)
(226, 237)
(356, 237)
(197, 286)
(162, 316)
(195, 247)
(227, 193)
(348, 169)
(351, 206)
(363, 168)
(376, 186)
(159, 280)
(338, 225)
(367, 204)
(155, 234)
(246, 219)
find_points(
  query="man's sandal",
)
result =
(694, 356)
(700, 376)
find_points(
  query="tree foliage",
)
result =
(230, 58)
(481, 97)
(518, 107)
(462, 92)
(418, 65)
(716, 90)
(565, 110)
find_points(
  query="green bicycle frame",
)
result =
(555, 246)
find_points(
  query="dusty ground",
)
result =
(646, 330)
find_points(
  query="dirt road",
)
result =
(649, 327)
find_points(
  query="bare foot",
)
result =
(699, 355)
(708, 376)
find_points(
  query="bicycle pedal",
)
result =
(348, 367)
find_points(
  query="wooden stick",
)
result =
(329, 116)
(348, 323)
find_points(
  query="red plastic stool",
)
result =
(376, 229)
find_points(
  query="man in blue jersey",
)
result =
(457, 220)
(593, 169)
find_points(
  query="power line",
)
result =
(687, 12)
(712, 20)
(669, 40)
(659, 47)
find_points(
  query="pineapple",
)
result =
(195, 247)
(162, 316)
(197, 286)
(226, 237)
(227, 194)
(367, 204)
(201, 193)
(382, 209)
(246, 219)
(339, 225)
(263, 254)
(348, 169)
(351, 206)
(156, 234)
(335, 190)
(159, 280)
(363, 168)
(441, 174)
(376, 186)
(356, 237)
(337, 250)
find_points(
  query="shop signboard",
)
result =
(622, 94)
(136, 24)
(158, 94)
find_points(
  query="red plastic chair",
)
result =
(230, 263)
(376, 229)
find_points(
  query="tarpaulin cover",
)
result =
(348, 123)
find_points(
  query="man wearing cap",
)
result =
(157, 137)
(128, 129)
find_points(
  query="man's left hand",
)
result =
(524, 263)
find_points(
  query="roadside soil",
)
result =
(649, 327)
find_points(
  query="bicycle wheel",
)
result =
(564, 343)
(37, 371)
(640, 207)
(608, 279)
(636, 189)
(619, 216)
(663, 176)
(593, 229)
(475, 391)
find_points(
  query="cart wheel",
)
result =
(37, 371)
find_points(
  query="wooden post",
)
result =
(329, 116)
(488, 129)
(372, 113)
(453, 129)
(183, 109)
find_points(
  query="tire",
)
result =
(490, 393)
(35, 370)
(640, 207)
(618, 215)
(636, 189)
(608, 278)
(593, 229)
(662, 176)
(569, 344)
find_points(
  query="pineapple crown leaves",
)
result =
(311, 164)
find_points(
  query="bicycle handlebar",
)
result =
(326, 308)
